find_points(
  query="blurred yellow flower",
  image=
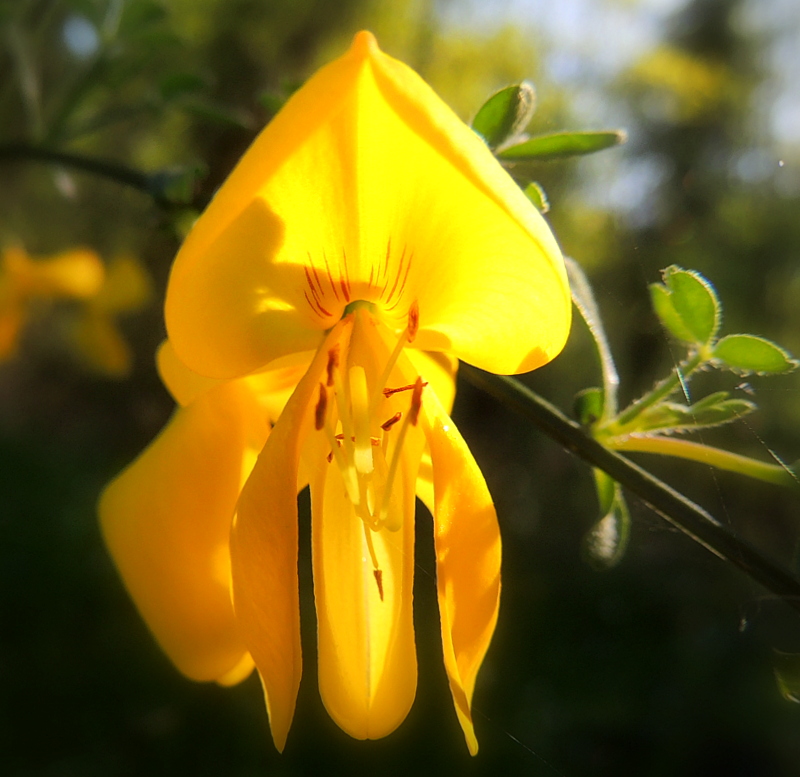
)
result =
(27, 283)
(99, 295)
(364, 229)
(94, 333)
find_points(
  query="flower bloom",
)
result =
(25, 282)
(369, 236)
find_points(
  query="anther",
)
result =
(416, 402)
(333, 363)
(379, 581)
(387, 392)
(386, 425)
(321, 408)
(413, 321)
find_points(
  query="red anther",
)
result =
(416, 402)
(340, 439)
(329, 457)
(379, 581)
(387, 392)
(333, 362)
(386, 425)
(321, 408)
(413, 321)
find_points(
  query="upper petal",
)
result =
(367, 186)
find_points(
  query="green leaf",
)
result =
(561, 144)
(605, 543)
(536, 195)
(670, 417)
(505, 114)
(179, 84)
(787, 674)
(687, 305)
(588, 405)
(215, 113)
(748, 353)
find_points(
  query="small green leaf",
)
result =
(748, 353)
(588, 405)
(687, 305)
(536, 195)
(505, 114)
(605, 543)
(671, 417)
(787, 674)
(561, 144)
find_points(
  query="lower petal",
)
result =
(367, 658)
(264, 552)
(166, 520)
(467, 541)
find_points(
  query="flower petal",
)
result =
(264, 552)
(367, 186)
(467, 541)
(484, 266)
(367, 657)
(166, 520)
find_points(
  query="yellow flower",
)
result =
(166, 519)
(26, 282)
(94, 332)
(365, 228)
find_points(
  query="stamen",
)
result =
(321, 408)
(406, 337)
(386, 425)
(410, 420)
(416, 402)
(387, 392)
(413, 321)
(333, 363)
(379, 581)
(371, 547)
(359, 396)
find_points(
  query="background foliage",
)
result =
(660, 666)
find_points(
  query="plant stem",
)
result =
(149, 184)
(661, 390)
(664, 500)
(695, 451)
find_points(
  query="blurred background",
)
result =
(664, 665)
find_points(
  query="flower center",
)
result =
(366, 415)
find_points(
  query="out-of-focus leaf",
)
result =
(505, 114)
(140, 14)
(588, 405)
(178, 84)
(748, 353)
(561, 144)
(605, 543)
(537, 196)
(787, 674)
(687, 305)
(177, 185)
(218, 114)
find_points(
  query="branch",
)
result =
(154, 185)
(664, 500)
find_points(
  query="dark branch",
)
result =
(666, 501)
